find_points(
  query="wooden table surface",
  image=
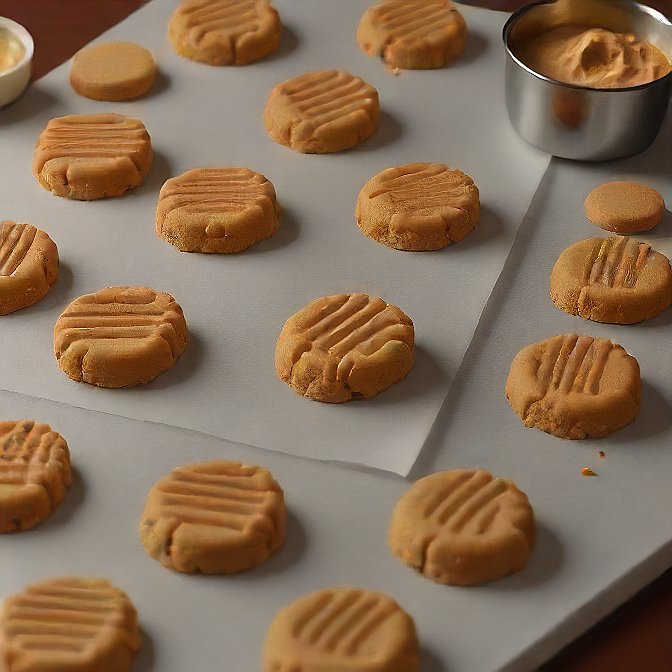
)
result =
(635, 638)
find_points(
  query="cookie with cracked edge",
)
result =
(574, 387)
(28, 266)
(217, 210)
(35, 473)
(344, 346)
(341, 628)
(120, 336)
(218, 517)
(321, 112)
(225, 32)
(418, 206)
(613, 280)
(91, 156)
(413, 34)
(68, 624)
(463, 527)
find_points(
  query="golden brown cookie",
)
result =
(120, 336)
(413, 34)
(222, 210)
(342, 629)
(322, 112)
(614, 280)
(225, 32)
(92, 156)
(344, 346)
(34, 473)
(574, 387)
(112, 71)
(28, 265)
(463, 527)
(216, 518)
(418, 207)
(68, 624)
(624, 207)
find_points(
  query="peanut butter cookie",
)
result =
(344, 346)
(34, 473)
(221, 210)
(68, 625)
(225, 32)
(413, 34)
(28, 266)
(322, 112)
(112, 71)
(463, 527)
(574, 387)
(120, 336)
(342, 629)
(418, 207)
(91, 156)
(217, 518)
(614, 280)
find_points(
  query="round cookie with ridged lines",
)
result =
(614, 280)
(120, 336)
(574, 387)
(418, 207)
(28, 266)
(341, 628)
(413, 34)
(624, 207)
(344, 346)
(225, 32)
(90, 156)
(112, 71)
(70, 624)
(35, 473)
(219, 517)
(217, 210)
(463, 527)
(322, 112)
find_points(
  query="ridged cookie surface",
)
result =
(321, 112)
(614, 280)
(225, 32)
(92, 156)
(34, 473)
(574, 387)
(418, 206)
(68, 625)
(28, 265)
(413, 34)
(120, 336)
(463, 527)
(342, 629)
(344, 346)
(217, 518)
(221, 210)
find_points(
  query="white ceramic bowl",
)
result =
(15, 80)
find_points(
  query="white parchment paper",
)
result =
(235, 305)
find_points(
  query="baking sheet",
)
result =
(235, 305)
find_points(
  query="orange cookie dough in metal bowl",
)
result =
(575, 387)
(463, 527)
(218, 517)
(344, 346)
(339, 629)
(418, 207)
(614, 280)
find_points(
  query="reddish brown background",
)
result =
(638, 636)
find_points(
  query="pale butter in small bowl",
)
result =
(16, 58)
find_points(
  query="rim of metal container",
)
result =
(513, 19)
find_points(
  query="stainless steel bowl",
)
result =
(577, 122)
